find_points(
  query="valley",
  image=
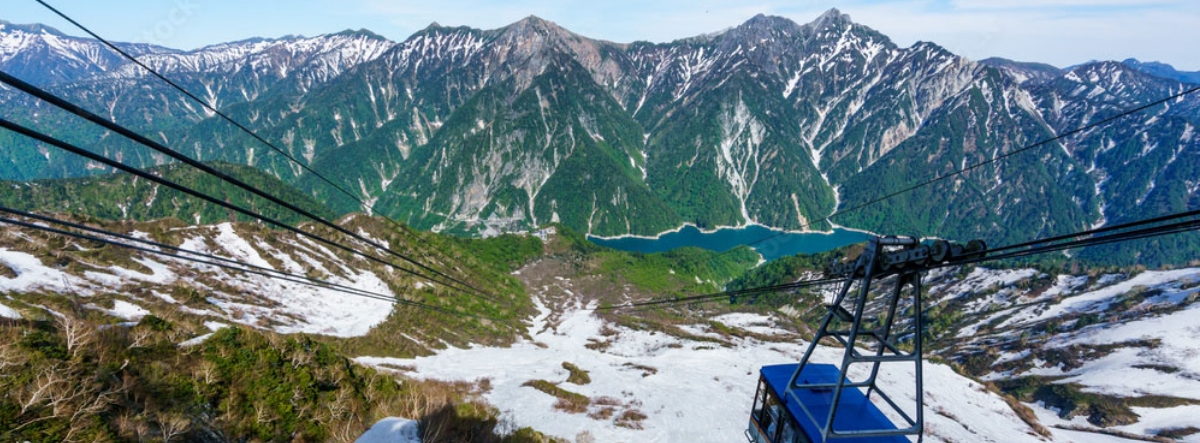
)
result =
(648, 375)
(770, 123)
(528, 235)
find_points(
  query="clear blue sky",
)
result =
(1060, 32)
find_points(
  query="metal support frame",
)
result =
(906, 258)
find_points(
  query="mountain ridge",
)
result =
(769, 122)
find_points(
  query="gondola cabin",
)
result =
(807, 402)
(779, 418)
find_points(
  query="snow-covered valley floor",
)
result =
(689, 391)
(1139, 339)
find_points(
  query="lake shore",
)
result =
(781, 243)
(659, 236)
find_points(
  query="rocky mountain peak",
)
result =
(1100, 72)
(830, 18)
(34, 28)
(762, 28)
(1159, 69)
(44, 55)
(1024, 72)
(525, 48)
(534, 25)
(362, 32)
(533, 34)
(768, 21)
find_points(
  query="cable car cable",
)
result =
(162, 181)
(246, 269)
(286, 275)
(728, 294)
(936, 179)
(243, 128)
(87, 115)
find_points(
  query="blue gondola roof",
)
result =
(855, 413)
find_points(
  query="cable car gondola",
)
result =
(808, 402)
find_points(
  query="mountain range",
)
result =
(770, 122)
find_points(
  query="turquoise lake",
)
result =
(770, 243)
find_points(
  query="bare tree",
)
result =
(140, 337)
(301, 406)
(76, 402)
(262, 413)
(10, 356)
(300, 358)
(127, 425)
(43, 387)
(349, 431)
(172, 425)
(206, 371)
(143, 431)
(76, 331)
(370, 393)
(340, 407)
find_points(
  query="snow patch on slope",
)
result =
(7, 312)
(678, 396)
(1097, 299)
(126, 310)
(32, 275)
(253, 300)
(1116, 373)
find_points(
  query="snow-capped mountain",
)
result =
(1164, 70)
(229, 76)
(770, 122)
(45, 56)
(1024, 71)
(1142, 165)
(302, 61)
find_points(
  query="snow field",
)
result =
(212, 326)
(1116, 374)
(320, 310)
(1169, 366)
(125, 310)
(1154, 420)
(293, 307)
(1049, 417)
(32, 275)
(1097, 299)
(701, 392)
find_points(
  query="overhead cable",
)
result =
(962, 170)
(291, 158)
(207, 256)
(210, 199)
(728, 294)
(88, 115)
(242, 267)
(1147, 232)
